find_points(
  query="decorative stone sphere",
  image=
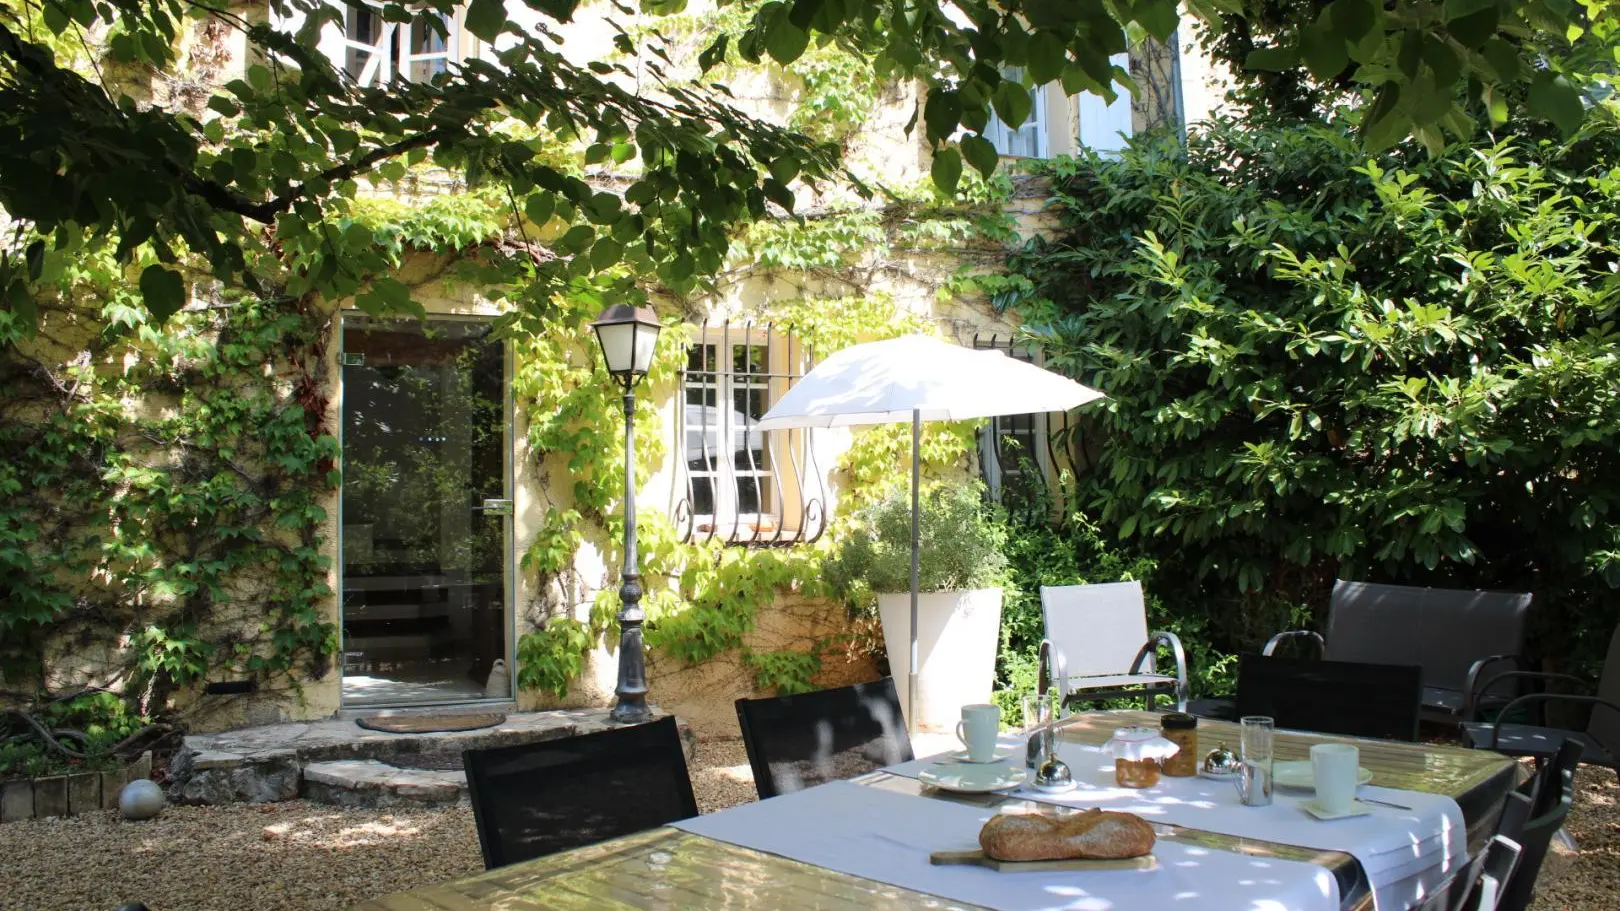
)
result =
(140, 799)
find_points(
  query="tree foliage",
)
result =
(1322, 364)
(255, 178)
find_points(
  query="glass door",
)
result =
(427, 512)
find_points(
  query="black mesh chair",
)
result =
(1554, 788)
(1455, 635)
(796, 742)
(539, 798)
(1600, 742)
(1333, 697)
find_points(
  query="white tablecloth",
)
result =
(1406, 854)
(887, 837)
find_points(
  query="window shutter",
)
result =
(1105, 127)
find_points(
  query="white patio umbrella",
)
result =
(917, 378)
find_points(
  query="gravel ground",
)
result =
(298, 856)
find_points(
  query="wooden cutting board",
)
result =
(977, 858)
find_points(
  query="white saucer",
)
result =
(962, 756)
(1296, 773)
(972, 777)
(1357, 808)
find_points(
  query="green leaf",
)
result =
(258, 76)
(714, 54)
(486, 18)
(1352, 19)
(1443, 63)
(537, 208)
(1460, 9)
(1012, 103)
(785, 42)
(980, 153)
(941, 114)
(1047, 55)
(1324, 51)
(576, 239)
(946, 169)
(163, 291)
(1383, 124)
(1502, 59)
(1272, 59)
(1553, 98)
(1474, 30)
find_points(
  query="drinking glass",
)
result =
(1255, 742)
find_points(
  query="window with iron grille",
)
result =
(1019, 457)
(738, 483)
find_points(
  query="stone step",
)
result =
(369, 783)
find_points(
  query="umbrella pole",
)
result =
(916, 485)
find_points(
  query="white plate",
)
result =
(1357, 808)
(1296, 773)
(962, 756)
(972, 778)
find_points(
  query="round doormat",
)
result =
(425, 724)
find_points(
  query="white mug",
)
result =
(977, 730)
(1334, 768)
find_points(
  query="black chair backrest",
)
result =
(539, 798)
(1443, 630)
(1462, 893)
(1605, 724)
(796, 742)
(1555, 793)
(1334, 697)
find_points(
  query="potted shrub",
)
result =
(961, 568)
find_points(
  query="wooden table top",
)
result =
(669, 869)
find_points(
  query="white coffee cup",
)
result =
(977, 730)
(1334, 769)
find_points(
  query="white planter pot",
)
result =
(957, 636)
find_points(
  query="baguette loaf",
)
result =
(1094, 834)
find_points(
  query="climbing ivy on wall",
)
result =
(160, 490)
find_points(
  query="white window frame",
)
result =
(1002, 136)
(389, 56)
(722, 379)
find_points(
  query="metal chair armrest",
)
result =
(1150, 648)
(1471, 690)
(1280, 638)
(1524, 675)
(1496, 728)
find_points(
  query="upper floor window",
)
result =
(376, 52)
(1029, 139)
(739, 483)
(1054, 127)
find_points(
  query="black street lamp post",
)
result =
(628, 335)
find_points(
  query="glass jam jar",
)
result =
(1137, 753)
(1182, 730)
(1136, 773)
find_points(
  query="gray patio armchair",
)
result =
(1101, 636)
(1456, 635)
(1600, 742)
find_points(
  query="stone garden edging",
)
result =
(68, 795)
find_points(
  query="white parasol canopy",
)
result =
(917, 378)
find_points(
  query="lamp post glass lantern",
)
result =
(628, 336)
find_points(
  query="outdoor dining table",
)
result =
(670, 868)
